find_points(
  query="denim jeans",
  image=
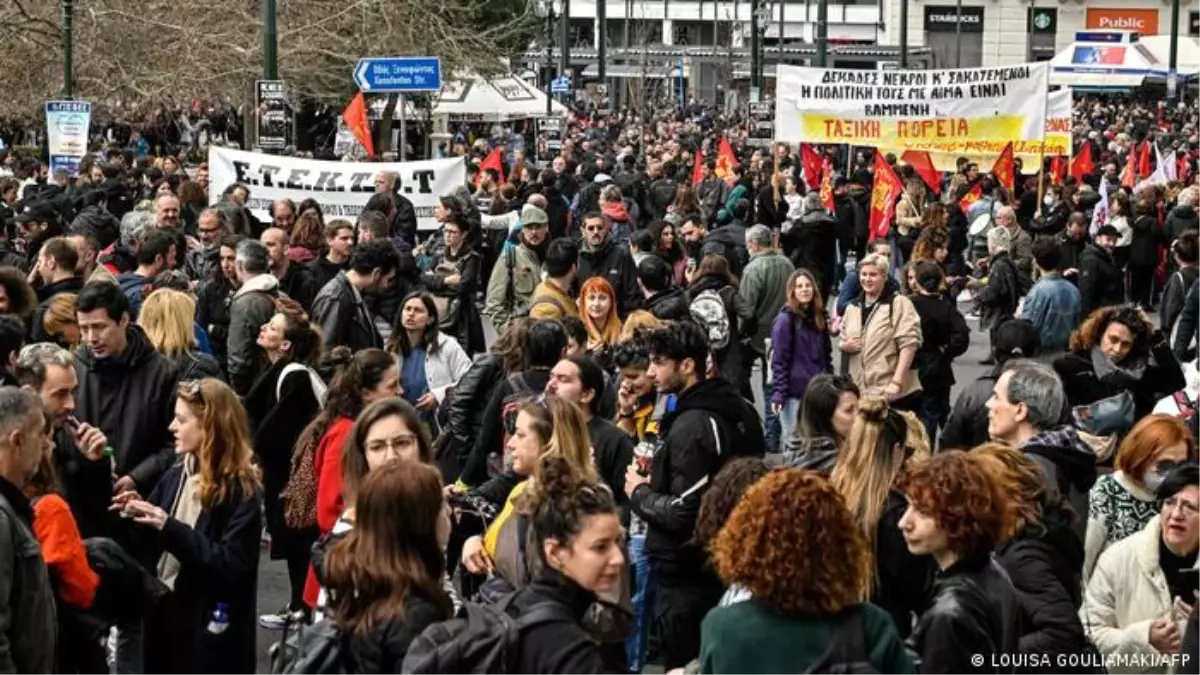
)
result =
(643, 604)
(787, 419)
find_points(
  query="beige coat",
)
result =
(527, 274)
(1126, 593)
(892, 326)
(908, 214)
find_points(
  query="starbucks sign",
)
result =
(1042, 20)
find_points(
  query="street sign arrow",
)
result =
(360, 75)
(404, 74)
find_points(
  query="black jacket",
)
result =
(613, 262)
(946, 337)
(770, 211)
(202, 263)
(344, 318)
(612, 452)
(382, 650)
(253, 305)
(405, 220)
(1173, 296)
(1069, 467)
(820, 454)
(998, 298)
(557, 646)
(1163, 376)
(974, 611)
(196, 365)
(46, 295)
(1053, 221)
(1181, 219)
(467, 326)
(905, 580)
(490, 435)
(213, 304)
(470, 397)
(811, 244)
(218, 564)
(660, 197)
(728, 241)
(1143, 247)
(706, 426)
(131, 398)
(1189, 324)
(1101, 283)
(298, 284)
(1045, 568)
(558, 211)
(742, 326)
(324, 271)
(87, 486)
(28, 612)
(1072, 254)
(968, 423)
(669, 305)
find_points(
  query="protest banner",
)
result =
(342, 188)
(971, 112)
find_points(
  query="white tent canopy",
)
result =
(469, 97)
(1188, 57)
(1104, 65)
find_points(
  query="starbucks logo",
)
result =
(1041, 20)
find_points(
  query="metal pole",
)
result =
(403, 127)
(822, 33)
(755, 61)
(602, 40)
(903, 33)
(68, 46)
(549, 57)
(958, 35)
(782, 11)
(270, 41)
(1172, 72)
(564, 49)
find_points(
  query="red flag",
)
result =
(970, 198)
(1005, 169)
(1129, 173)
(726, 160)
(811, 160)
(827, 184)
(355, 117)
(923, 166)
(698, 169)
(1058, 170)
(883, 198)
(1143, 168)
(492, 161)
(1081, 165)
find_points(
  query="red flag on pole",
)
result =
(811, 160)
(494, 162)
(1081, 165)
(827, 184)
(883, 198)
(1144, 169)
(1058, 169)
(1129, 173)
(1005, 169)
(698, 169)
(726, 160)
(355, 117)
(922, 164)
(970, 198)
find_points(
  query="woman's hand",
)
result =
(851, 344)
(474, 558)
(1164, 635)
(892, 391)
(145, 513)
(452, 280)
(427, 401)
(777, 408)
(123, 498)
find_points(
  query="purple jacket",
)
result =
(801, 352)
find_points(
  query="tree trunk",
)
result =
(383, 142)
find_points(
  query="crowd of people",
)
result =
(187, 387)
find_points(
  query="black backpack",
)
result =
(847, 653)
(317, 649)
(486, 640)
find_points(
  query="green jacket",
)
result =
(748, 637)
(764, 286)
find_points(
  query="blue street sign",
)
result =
(560, 85)
(405, 74)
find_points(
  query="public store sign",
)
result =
(342, 188)
(945, 19)
(67, 124)
(967, 111)
(1144, 21)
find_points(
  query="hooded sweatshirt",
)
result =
(1069, 465)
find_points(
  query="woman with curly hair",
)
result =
(883, 443)
(16, 295)
(957, 515)
(794, 547)
(1116, 353)
(1041, 555)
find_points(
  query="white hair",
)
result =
(135, 225)
(999, 240)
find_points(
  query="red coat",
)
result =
(327, 465)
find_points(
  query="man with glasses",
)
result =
(517, 274)
(601, 256)
(1143, 590)
(1025, 411)
(211, 226)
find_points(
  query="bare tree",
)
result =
(165, 50)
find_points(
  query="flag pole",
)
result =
(1042, 156)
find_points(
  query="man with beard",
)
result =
(518, 273)
(600, 256)
(216, 296)
(210, 228)
(294, 280)
(405, 216)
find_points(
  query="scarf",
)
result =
(1105, 367)
(186, 509)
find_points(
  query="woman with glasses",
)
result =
(202, 525)
(1144, 587)
(883, 443)
(453, 279)
(1123, 502)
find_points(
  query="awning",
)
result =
(473, 98)
(1107, 65)
(1187, 62)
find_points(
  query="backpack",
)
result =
(299, 494)
(708, 309)
(317, 649)
(521, 391)
(486, 640)
(847, 653)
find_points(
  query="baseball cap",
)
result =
(37, 211)
(533, 216)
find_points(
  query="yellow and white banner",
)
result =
(972, 112)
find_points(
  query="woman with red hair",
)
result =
(598, 309)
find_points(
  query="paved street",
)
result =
(272, 578)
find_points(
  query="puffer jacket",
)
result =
(973, 612)
(470, 397)
(892, 325)
(253, 305)
(819, 454)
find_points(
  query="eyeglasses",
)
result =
(399, 444)
(594, 228)
(1189, 509)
